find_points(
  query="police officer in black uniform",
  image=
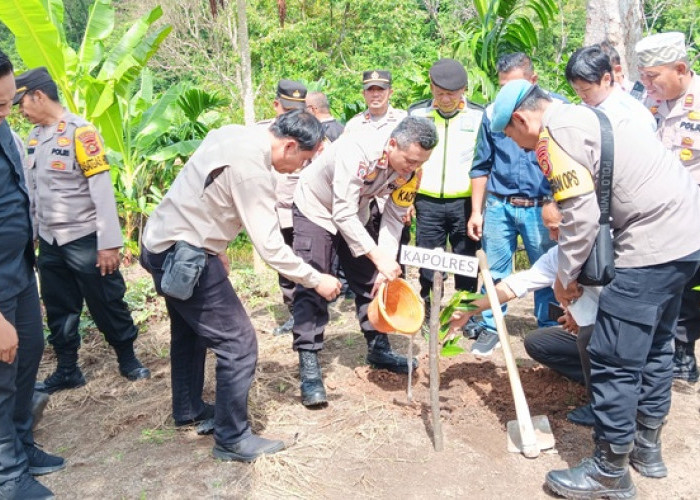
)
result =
(21, 334)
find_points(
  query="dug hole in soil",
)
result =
(119, 439)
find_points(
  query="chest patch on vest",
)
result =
(89, 151)
(63, 141)
(405, 194)
(567, 178)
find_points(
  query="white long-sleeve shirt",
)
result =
(542, 274)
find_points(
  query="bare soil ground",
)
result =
(120, 441)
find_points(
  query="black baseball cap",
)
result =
(376, 78)
(291, 94)
(30, 80)
(448, 74)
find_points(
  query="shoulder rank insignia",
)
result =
(61, 126)
(567, 178)
(89, 151)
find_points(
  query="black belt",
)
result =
(522, 201)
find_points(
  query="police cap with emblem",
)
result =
(291, 94)
(32, 79)
(511, 95)
(661, 48)
(376, 78)
(448, 74)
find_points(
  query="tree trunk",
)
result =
(619, 22)
(244, 49)
(247, 89)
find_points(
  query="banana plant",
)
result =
(501, 26)
(95, 82)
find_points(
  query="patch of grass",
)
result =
(157, 436)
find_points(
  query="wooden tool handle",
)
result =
(522, 412)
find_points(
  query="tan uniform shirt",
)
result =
(70, 185)
(679, 125)
(655, 205)
(365, 121)
(334, 191)
(210, 213)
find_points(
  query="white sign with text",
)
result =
(439, 260)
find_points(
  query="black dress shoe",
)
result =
(248, 449)
(139, 373)
(60, 380)
(41, 463)
(25, 487)
(206, 414)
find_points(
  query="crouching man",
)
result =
(331, 209)
(226, 186)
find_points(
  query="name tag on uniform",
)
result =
(567, 178)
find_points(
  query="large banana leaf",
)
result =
(99, 26)
(37, 40)
(127, 44)
(157, 119)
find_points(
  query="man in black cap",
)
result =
(443, 203)
(290, 95)
(21, 333)
(79, 234)
(376, 84)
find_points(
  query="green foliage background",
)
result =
(327, 44)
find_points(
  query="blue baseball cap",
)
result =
(507, 101)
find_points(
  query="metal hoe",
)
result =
(526, 435)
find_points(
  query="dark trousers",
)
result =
(318, 247)
(439, 220)
(286, 285)
(212, 318)
(17, 381)
(563, 352)
(631, 348)
(68, 275)
(688, 329)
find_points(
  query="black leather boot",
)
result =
(66, 376)
(684, 365)
(312, 391)
(605, 475)
(646, 454)
(381, 356)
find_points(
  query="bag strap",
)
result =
(605, 170)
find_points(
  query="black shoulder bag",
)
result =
(599, 268)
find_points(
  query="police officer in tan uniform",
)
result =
(331, 210)
(673, 97)
(655, 205)
(290, 95)
(377, 91)
(225, 187)
(78, 229)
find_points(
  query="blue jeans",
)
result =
(502, 224)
